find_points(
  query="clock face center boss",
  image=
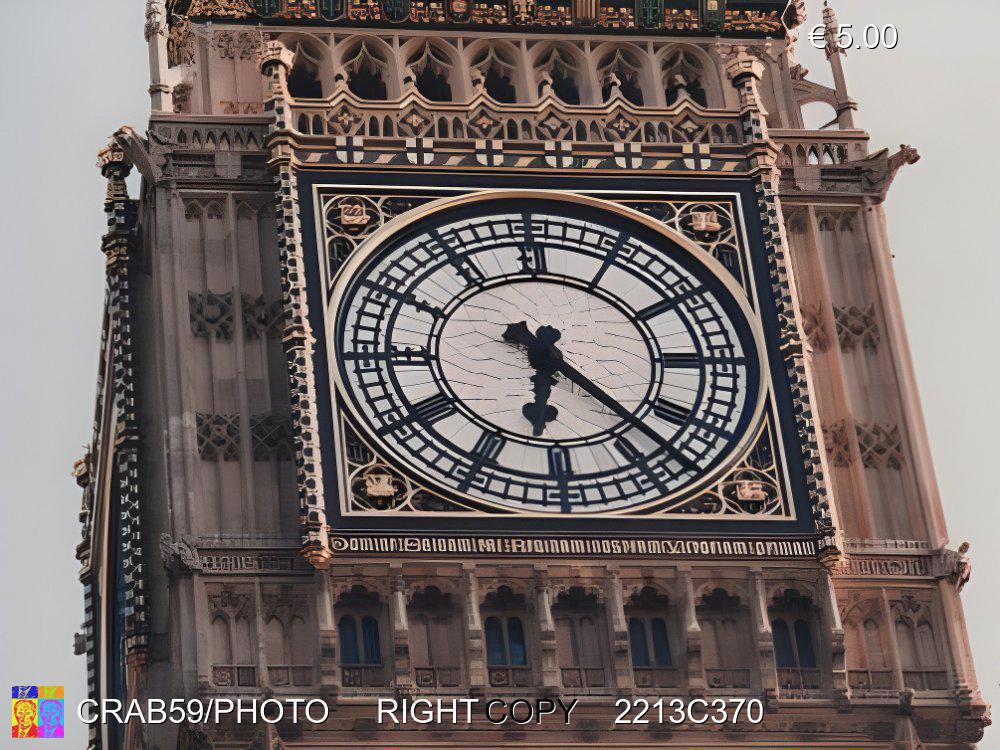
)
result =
(546, 353)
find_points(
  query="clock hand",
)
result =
(544, 355)
(539, 412)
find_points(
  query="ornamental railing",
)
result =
(820, 147)
(657, 677)
(510, 677)
(368, 676)
(280, 676)
(925, 679)
(798, 679)
(583, 677)
(549, 120)
(870, 682)
(728, 678)
(437, 677)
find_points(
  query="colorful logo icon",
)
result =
(37, 711)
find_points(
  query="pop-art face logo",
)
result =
(37, 711)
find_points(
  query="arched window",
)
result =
(661, 643)
(621, 67)
(727, 645)
(496, 651)
(348, 634)
(372, 642)
(784, 651)
(564, 85)
(792, 617)
(359, 614)
(516, 647)
(431, 69)
(366, 74)
(638, 643)
(506, 639)
(303, 80)
(873, 645)
(804, 645)
(652, 662)
(563, 70)
(580, 647)
(434, 638)
(683, 74)
(497, 68)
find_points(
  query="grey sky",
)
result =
(74, 83)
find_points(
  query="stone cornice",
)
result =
(760, 18)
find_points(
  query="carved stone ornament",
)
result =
(154, 19)
(181, 555)
(857, 327)
(218, 436)
(814, 328)
(220, 9)
(180, 44)
(81, 471)
(838, 446)
(245, 45)
(881, 446)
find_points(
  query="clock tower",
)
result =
(518, 350)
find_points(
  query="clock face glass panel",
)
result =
(546, 356)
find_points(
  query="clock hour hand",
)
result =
(547, 359)
(539, 412)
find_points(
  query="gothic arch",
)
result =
(499, 590)
(630, 66)
(497, 63)
(444, 586)
(311, 76)
(566, 67)
(699, 75)
(635, 588)
(365, 62)
(434, 69)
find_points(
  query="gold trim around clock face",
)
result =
(374, 243)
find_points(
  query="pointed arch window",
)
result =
(497, 69)
(303, 79)
(621, 67)
(506, 639)
(564, 74)
(431, 69)
(580, 646)
(359, 614)
(683, 76)
(564, 85)
(727, 646)
(366, 73)
(649, 615)
(435, 632)
(793, 619)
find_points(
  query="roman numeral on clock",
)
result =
(533, 258)
(485, 451)
(561, 469)
(671, 411)
(433, 409)
(681, 361)
(633, 454)
(665, 305)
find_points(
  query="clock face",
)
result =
(546, 355)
